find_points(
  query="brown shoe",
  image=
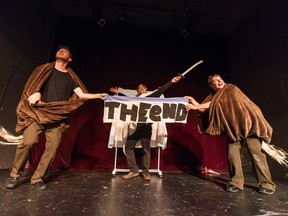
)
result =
(130, 175)
(146, 176)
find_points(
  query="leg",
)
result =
(260, 164)
(131, 161)
(141, 132)
(146, 153)
(30, 137)
(146, 157)
(53, 138)
(130, 155)
(235, 165)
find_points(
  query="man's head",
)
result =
(64, 54)
(216, 82)
(141, 89)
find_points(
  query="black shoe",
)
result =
(39, 186)
(266, 191)
(11, 183)
(233, 189)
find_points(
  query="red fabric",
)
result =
(84, 146)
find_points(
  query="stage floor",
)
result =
(175, 194)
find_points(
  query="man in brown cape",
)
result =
(232, 113)
(51, 94)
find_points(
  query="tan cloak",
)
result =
(232, 113)
(45, 112)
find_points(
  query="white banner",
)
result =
(144, 109)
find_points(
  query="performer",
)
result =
(141, 90)
(51, 94)
(142, 132)
(232, 113)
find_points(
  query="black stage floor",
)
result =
(175, 194)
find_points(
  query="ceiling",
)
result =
(209, 16)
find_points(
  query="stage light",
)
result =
(184, 33)
(102, 22)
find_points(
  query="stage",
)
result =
(175, 194)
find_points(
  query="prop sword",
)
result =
(189, 69)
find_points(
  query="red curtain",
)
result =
(84, 146)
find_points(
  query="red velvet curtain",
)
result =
(84, 146)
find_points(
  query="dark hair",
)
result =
(211, 76)
(66, 48)
(141, 85)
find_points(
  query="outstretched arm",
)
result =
(191, 100)
(163, 88)
(83, 95)
(194, 105)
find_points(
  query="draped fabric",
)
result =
(232, 113)
(45, 113)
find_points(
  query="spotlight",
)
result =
(122, 17)
(184, 33)
(102, 22)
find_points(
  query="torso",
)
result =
(59, 87)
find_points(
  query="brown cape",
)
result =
(45, 112)
(232, 113)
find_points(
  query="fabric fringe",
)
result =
(10, 139)
(276, 153)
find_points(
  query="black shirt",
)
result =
(59, 87)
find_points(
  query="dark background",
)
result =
(124, 43)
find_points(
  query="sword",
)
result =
(189, 69)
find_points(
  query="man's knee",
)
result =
(28, 141)
(254, 145)
(234, 147)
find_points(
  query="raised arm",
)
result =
(163, 88)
